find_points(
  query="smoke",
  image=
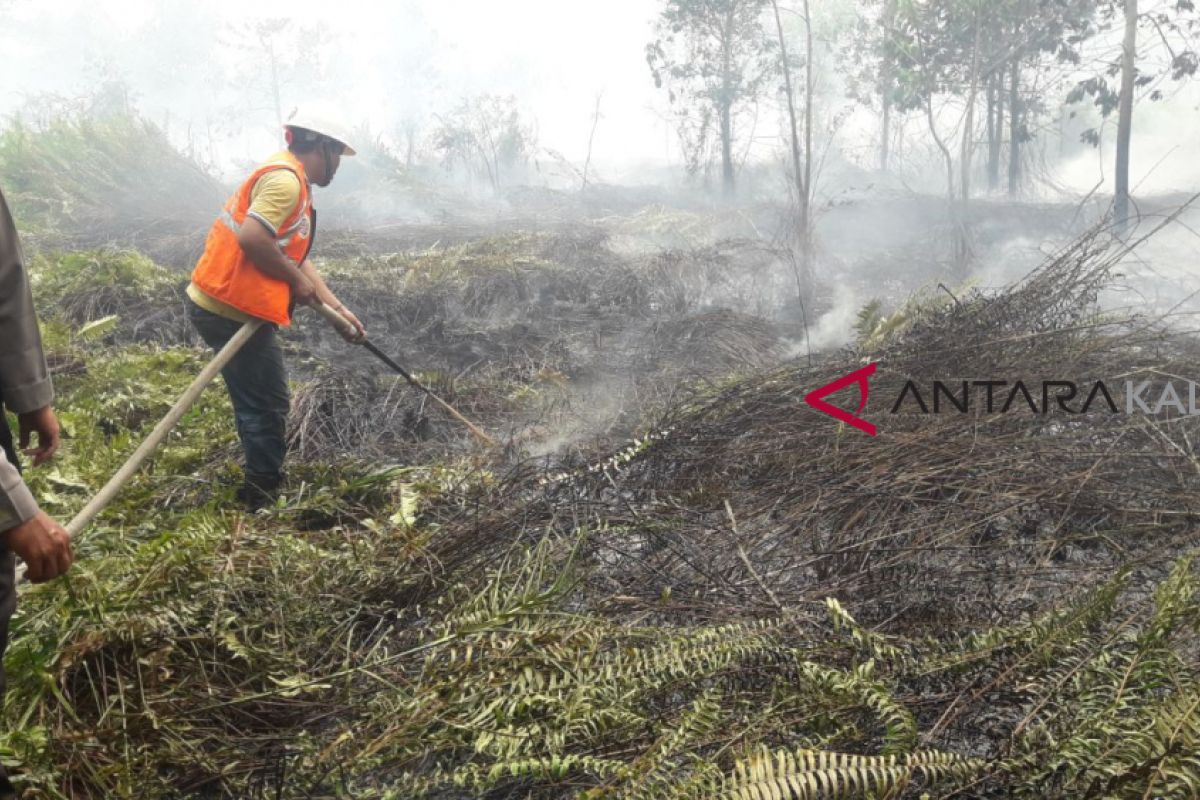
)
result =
(835, 327)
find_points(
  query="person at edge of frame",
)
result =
(25, 390)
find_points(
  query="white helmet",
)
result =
(319, 121)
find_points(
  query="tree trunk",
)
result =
(725, 105)
(885, 132)
(946, 156)
(801, 173)
(886, 84)
(995, 127)
(1000, 109)
(1125, 116)
(798, 174)
(487, 149)
(967, 150)
(591, 140)
(809, 93)
(725, 114)
(1015, 110)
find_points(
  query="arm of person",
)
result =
(326, 296)
(258, 243)
(273, 199)
(25, 386)
(43, 544)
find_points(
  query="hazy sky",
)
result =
(388, 62)
(392, 59)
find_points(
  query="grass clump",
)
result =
(93, 176)
(109, 293)
(83, 286)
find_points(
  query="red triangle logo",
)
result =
(816, 398)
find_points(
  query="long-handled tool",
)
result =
(189, 397)
(131, 466)
(342, 324)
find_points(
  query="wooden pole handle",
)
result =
(337, 321)
(343, 324)
(189, 397)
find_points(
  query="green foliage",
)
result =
(1174, 24)
(870, 644)
(1128, 721)
(931, 46)
(808, 774)
(83, 287)
(459, 267)
(88, 174)
(98, 328)
(875, 329)
(713, 58)
(486, 138)
(108, 406)
(189, 637)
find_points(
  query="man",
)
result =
(255, 266)
(25, 389)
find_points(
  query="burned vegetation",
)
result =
(674, 579)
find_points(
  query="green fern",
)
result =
(814, 774)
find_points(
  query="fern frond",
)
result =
(814, 774)
(874, 645)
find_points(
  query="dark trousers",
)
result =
(258, 386)
(8, 582)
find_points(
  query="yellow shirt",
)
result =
(273, 198)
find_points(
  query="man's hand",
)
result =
(45, 425)
(359, 331)
(304, 292)
(44, 546)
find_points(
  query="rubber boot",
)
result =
(258, 491)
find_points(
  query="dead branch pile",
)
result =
(716, 343)
(447, 631)
(749, 499)
(534, 333)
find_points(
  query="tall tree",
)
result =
(277, 55)
(1125, 113)
(887, 82)
(486, 137)
(1026, 39)
(801, 155)
(946, 54)
(712, 57)
(1018, 39)
(937, 47)
(1173, 25)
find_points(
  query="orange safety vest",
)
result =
(224, 272)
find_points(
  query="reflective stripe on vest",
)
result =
(282, 242)
(229, 221)
(225, 273)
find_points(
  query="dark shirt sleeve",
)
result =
(24, 380)
(16, 502)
